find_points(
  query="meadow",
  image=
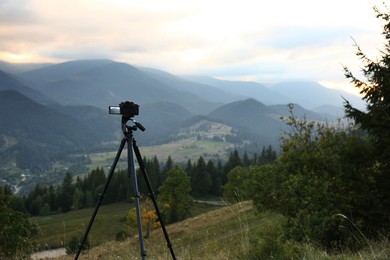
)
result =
(229, 232)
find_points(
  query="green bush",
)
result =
(272, 244)
(73, 245)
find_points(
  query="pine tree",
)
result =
(376, 119)
(66, 196)
(201, 181)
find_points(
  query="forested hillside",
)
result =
(37, 134)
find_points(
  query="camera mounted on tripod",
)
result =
(128, 110)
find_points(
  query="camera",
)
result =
(126, 109)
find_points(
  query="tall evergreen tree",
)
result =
(201, 181)
(169, 164)
(66, 196)
(376, 119)
(233, 161)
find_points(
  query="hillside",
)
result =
(102, 83)
(312, 94)
(181, 115)
(251, 117)
(206, 91)
(39, 134)
(10, 82)
(243, 89)
(229, 232)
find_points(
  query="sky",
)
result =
(253, 40)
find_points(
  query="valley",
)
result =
(54, 117)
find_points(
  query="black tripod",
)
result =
(131, 146)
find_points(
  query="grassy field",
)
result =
(230, 232)
(180, 151)
(56, 230)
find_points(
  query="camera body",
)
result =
(126, 109)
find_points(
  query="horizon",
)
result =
(255, 41)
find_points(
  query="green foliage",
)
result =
(66, 195)
(272, 243)
(15, 228)
(376, 119)
(201, 181)
(174, 197)
(235, 190)
(72, 246)
(322, 172)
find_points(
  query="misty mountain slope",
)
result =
(15, 68)
(104, 125)
(35, 135)
(161, 121)
(10, 82)
(312, 94)
(39, 78)
(251, 114)
(207, 92)
(333, 111)
(104, 83)
(243, 89)
(300, 112)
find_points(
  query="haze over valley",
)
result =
(54, 115)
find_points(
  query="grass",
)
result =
(230, 232)
(56, 230)
(180, 152)
(213, 234)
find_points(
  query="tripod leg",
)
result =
(118, 155)
(152, 196)
(132, 173)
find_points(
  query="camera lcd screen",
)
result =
(114, 110)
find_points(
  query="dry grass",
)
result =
(201, 237)
(220, 234)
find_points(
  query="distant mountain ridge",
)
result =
(59, 113)
(110, 82)
(243, 89)
(10, 82)
(311, 94)
(39, 133)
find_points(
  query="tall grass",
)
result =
(231, 232)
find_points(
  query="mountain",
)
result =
(161, 120)
(300, 112)
(251, 117)
(104, 125)
(40, 77)
(331, 111)
(204, 90)
(312, 94)
(102, 83)
(36, 135)
(14, 68)
(243, 89)
(10, 82)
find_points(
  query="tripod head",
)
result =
(130, 128)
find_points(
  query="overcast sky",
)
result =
(259, 40)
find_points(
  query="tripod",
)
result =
(131, 146)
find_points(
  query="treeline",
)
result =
(206, 179)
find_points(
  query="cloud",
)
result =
(248, 38)
(15, 12)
